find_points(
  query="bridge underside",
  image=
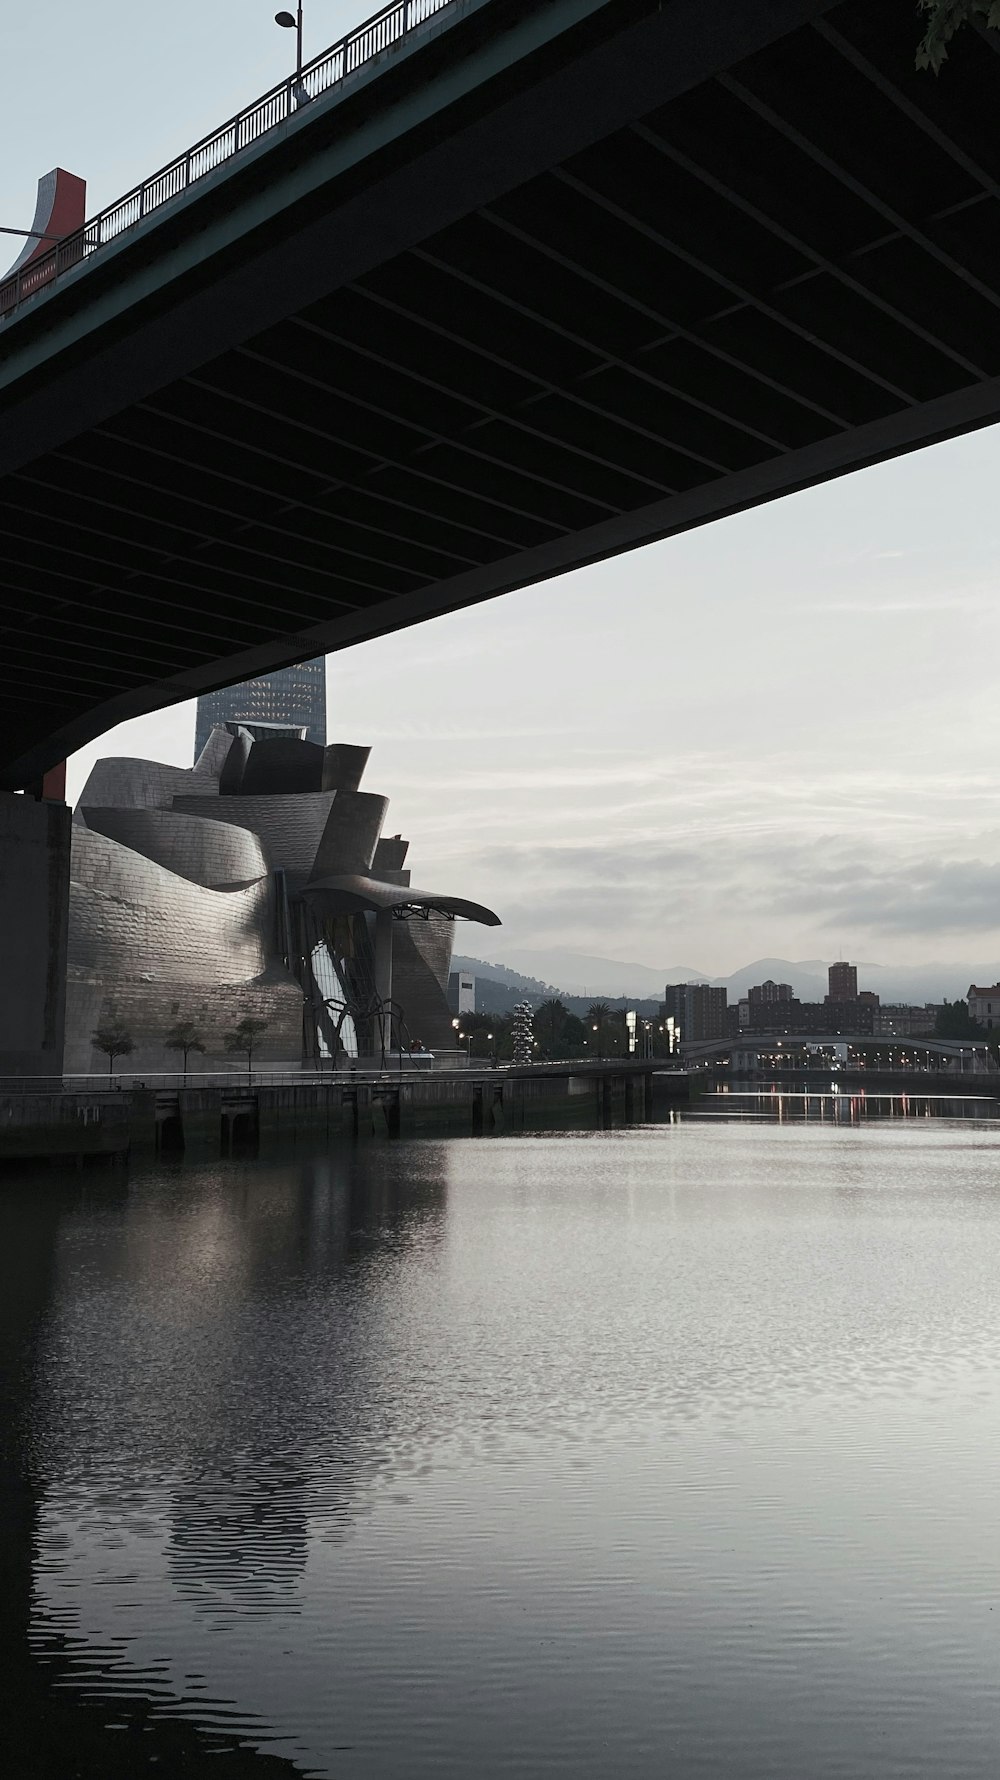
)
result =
(544, 290)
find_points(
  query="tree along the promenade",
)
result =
(244, 1036)
(944, 18)
(598, 1015)
(483, 1030)
(186, 1038)
(550, 1027)
(955, 1021)
(114, 1040)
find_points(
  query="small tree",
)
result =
(114, 1040)
(598, 1015)
(550, 1021)
(186, 1038)
(955, 1021)
(244, 1036)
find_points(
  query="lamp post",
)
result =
(290, 22)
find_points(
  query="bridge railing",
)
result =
(361, 47)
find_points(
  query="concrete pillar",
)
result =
(383, 971)
(34, 918)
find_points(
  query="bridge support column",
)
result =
(34, 918)
(382, 1039)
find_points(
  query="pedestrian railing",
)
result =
(360, 49)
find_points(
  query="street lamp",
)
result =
(293, 22)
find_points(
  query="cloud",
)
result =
(960, 896)
(826, 885)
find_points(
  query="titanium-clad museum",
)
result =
(255, 884)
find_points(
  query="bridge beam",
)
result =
(535, 286)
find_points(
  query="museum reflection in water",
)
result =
(223, 1384)
(181, 1374)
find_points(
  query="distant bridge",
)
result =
(507, 290)
(958, 1055)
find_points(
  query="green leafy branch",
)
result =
(945, 17)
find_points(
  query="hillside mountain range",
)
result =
(537, 973)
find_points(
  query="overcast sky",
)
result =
(776, 735)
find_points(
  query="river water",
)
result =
(669, 1451)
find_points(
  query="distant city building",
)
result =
(843, 982)
(829, 1017)
(698, 1010)
(462, 992)
(292, 699)
(771, 991)
(868, 995)
(900, 1021)
(984, 1005)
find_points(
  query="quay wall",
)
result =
(215, 1119)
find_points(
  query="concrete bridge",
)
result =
(502, 290)
(958, 1056)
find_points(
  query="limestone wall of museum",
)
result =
(214, 1009)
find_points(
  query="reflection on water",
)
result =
(670, 1450)
(835, 1104)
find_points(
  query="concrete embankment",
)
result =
(85, 1125)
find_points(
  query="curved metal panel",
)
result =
(421, 960)
(132, 918)
(231, 775)
(215, 753)
(351, 833)
(344, 766)
(216, 855)
(128, 784)
(290, 827)
(351, 891)
(282, 766)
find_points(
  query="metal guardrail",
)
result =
(364, 45)
(172, 1081)
(234, 1080)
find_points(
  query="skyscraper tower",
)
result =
(843, 982)
(292, 697)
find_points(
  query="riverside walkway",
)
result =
(213, 1113)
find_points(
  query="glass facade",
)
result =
(292, 695)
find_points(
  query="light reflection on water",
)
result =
(669, 1450)
(836, 1103)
